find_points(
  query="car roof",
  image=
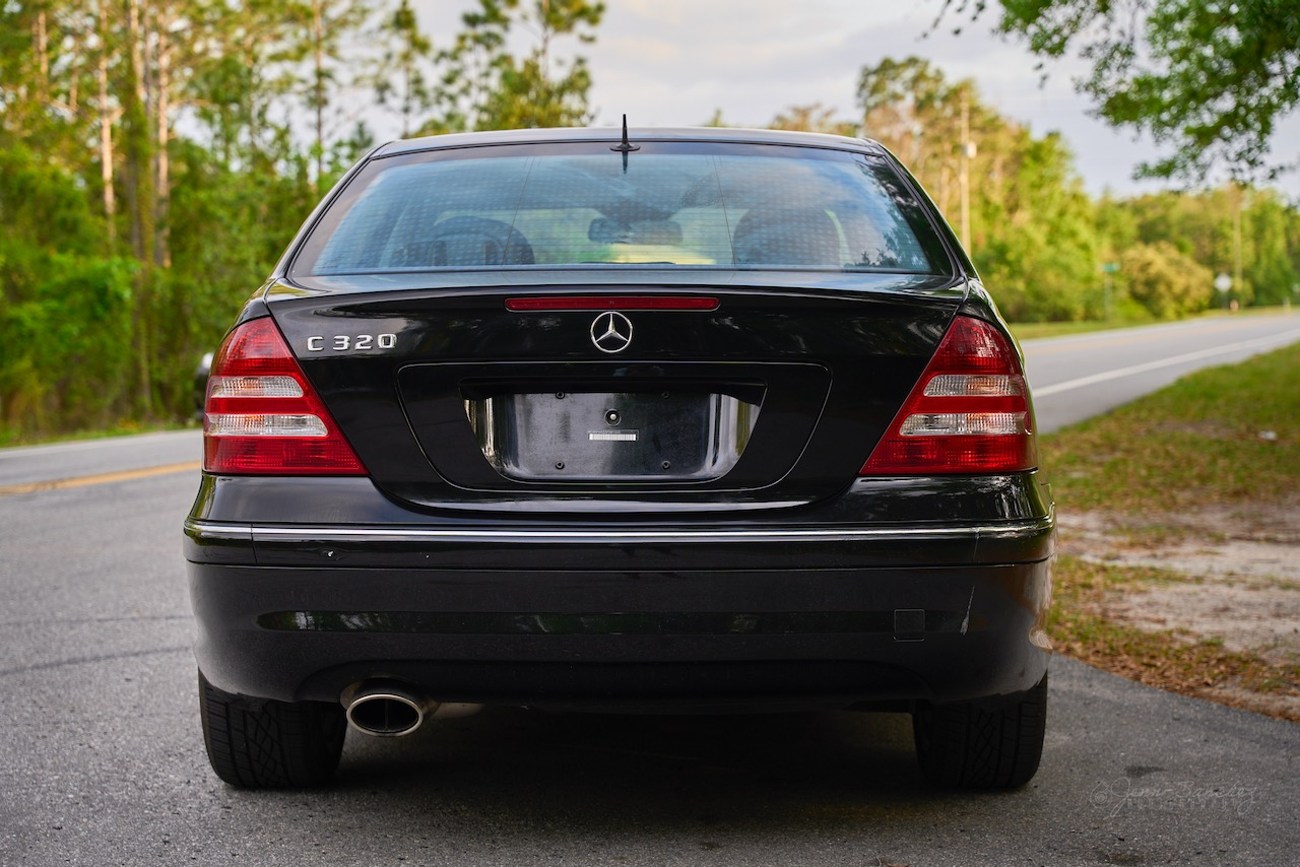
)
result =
(635, 134)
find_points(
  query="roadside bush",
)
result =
(69, 340)
(1166, 282)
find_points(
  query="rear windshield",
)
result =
(678, 205)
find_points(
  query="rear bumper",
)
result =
(768, 616)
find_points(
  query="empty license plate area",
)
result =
(657, 434)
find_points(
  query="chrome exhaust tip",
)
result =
(387, 712)
(387, 709)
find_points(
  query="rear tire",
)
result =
(987, 744)
(261, 744)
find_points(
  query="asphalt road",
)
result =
(101, 759)
(1074, 378)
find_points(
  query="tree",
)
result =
(65, 309)
(1208, 78)
(400, 72)
(1032, 229)
(318, 33)
(544, 90)
(1166, 282)
(1273, 269)
(1204, 227)
(903, 101)
(46, 73)
(235, 88)
(813, 117)
(484, 86)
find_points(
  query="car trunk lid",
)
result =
(704, 397)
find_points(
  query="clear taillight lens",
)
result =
(969, 412)
(253, 386)
(262, 417)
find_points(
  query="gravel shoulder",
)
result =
(1225, 579)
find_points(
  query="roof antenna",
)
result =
(625, 147)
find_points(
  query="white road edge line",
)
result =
(1071, 384)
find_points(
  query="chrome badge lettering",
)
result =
(350, 342)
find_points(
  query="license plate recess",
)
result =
(689, 433)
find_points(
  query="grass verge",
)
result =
(1223, 437)
(10, 438)
(1211, 460)
(1036, 330)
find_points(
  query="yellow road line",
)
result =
(99, 479)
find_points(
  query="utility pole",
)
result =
(318, 86)
(1236, 240)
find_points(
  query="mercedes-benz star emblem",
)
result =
(611, 332)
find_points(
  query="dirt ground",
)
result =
(1236, 578)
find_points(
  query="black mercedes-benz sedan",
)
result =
(659, 421)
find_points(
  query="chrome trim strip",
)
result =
(262, 533)
(209, 530)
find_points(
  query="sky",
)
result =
(674, 62)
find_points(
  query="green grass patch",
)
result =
(1225, 436)
(9, 437)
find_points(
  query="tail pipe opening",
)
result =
(391, 710)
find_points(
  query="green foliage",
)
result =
(30, 185)
(1039, 243)
(123, 258)
(526, 97)
(1272, 266)
(483, 86)
(1165, 281)
(1033, 233)
(65, 311)
(1203, 226)
(813, 117)
(314, 36)
(399, 75)
(1035, 240)
(67, 332)
(1209, 78)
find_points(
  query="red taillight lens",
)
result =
(262, 417)
(969, 413)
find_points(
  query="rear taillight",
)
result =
(263, 417)
(969, 412)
